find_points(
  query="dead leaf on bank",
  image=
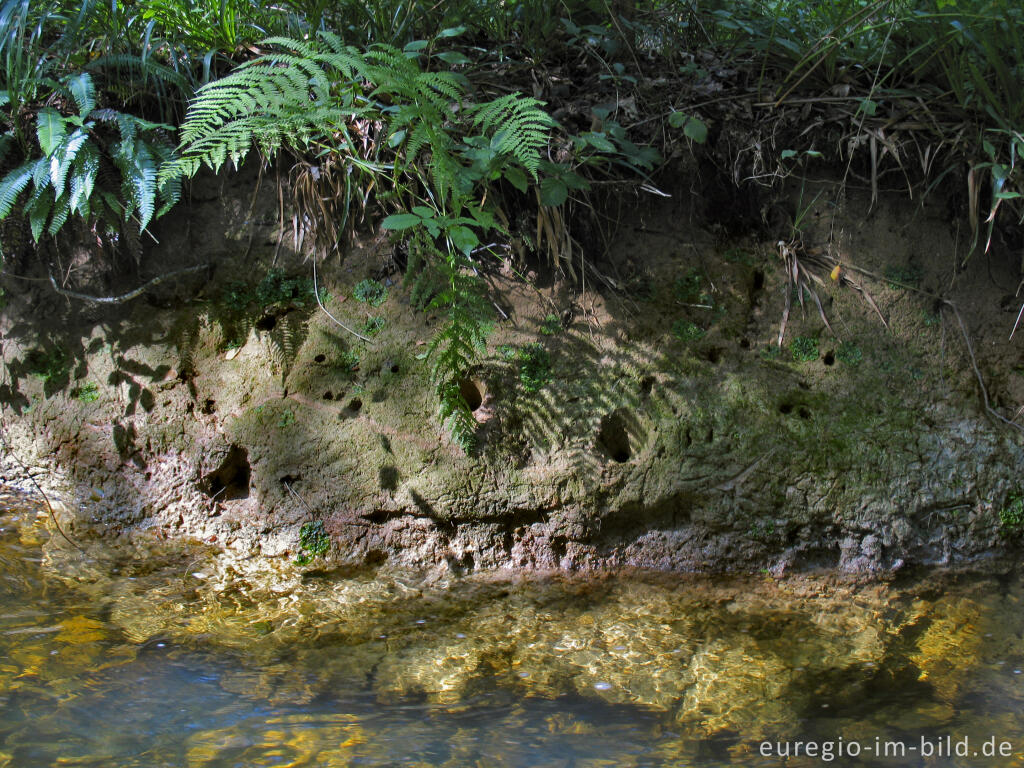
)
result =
(232, 353)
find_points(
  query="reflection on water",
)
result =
(166, 661)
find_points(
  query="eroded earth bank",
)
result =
(639, 416)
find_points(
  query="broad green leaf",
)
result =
(516, 178)
(424, 212)
(5, 98)
(396, 138)
(464, 239)
(451, 32)
(575, 181)
(400, 221)
(677, 119)
(453, 58)
(415, 46)
(696, 129)
(553, 192)
(599, 141)
(50, 130)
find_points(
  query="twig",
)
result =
(28, 474)
(126, 296)
(301, 500)
(316, 293)
(974, 364)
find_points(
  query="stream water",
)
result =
(152, 662)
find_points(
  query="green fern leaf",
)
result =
(84, 93)
(12, 186)
(61, 211)
(518, 125)
(50, 130)
(61, 160)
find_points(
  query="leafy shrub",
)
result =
(370, 292)
(804, 349)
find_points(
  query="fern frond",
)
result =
(521, 127)
(12, 186)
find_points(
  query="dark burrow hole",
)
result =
(231, 479)
(785, 409)
(613, 438)
(355, 404)
(328, 396)
(319, 358)
(395, 368)
(803, 413)
(646, 385)
(758, 279)
(266, 323)
(829, 359)
(471, 393)
(209, 407)
(713, 355)
(745, 343)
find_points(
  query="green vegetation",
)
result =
(313, 541)
(50, 366)
(87, 393)
(534, 367)
(108, 109)
(849, 353)
(373, 326)
(804, 349)
(551, 325)
(370, 292)
(1011, 516)
(684, 330)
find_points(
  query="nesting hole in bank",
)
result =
(472, 393)
(613, 437)
(230, 480)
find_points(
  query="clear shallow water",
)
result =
(160, 661)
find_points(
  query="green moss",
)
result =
(804, 349)
(1011, 516)
(313, 541)
(87, 393)
(901, 277)
(687, 289)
